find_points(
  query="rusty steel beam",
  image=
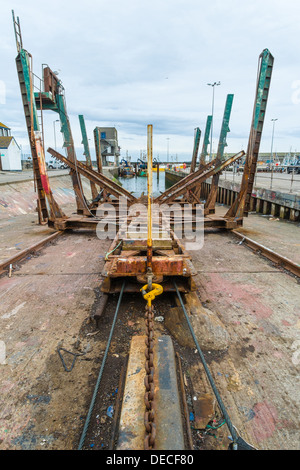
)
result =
(195, 179)
(184, 181)
(32, 249)
(276, 258)
(92, 175)
(161, 265)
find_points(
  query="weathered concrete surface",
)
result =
(259, 376)
(18, 197)
(210, 332)
(279, 235)
(44, 305)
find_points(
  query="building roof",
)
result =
(4, 126)
(5, 142)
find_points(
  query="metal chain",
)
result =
(150, 427)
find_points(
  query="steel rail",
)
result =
(92, 404)
(208, 374)
(282, 261)
(22, 254)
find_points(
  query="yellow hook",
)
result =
(149, 296)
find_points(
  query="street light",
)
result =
(212, 113)
(272, 158)
(273, 120)
(57, 120)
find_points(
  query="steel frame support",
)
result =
(206, 142)
(86, 152)
(197, 138)
(212, 197)
(70, 150)
(190, 181)
(48, 207)
(241, 206)
(106, 183)
(97, 139)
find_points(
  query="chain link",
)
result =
(150, 427)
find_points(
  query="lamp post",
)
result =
(272, 158)
(54, 129)
(212, 113)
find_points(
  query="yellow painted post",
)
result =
(149, 187)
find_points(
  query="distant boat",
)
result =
(142, 168)
(126, 170)
(161, 168)
(157, 164)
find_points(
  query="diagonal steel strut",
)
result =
(94, 176)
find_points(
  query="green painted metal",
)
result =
(206, 141)
(86, 152)
(25, 61)
(70, 149)
(65, 126)
(240, 207)
(85, 141)
(263, 83)
(48, 208)
(197, 138)
(225, 128)
(212, 197)
(56, 103)
(49, 103)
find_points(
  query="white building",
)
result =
(10, 152)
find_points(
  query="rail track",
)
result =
(259, 249)
(8, 264)
(193, 439)
(271, 255)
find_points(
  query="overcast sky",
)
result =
(129, 64)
